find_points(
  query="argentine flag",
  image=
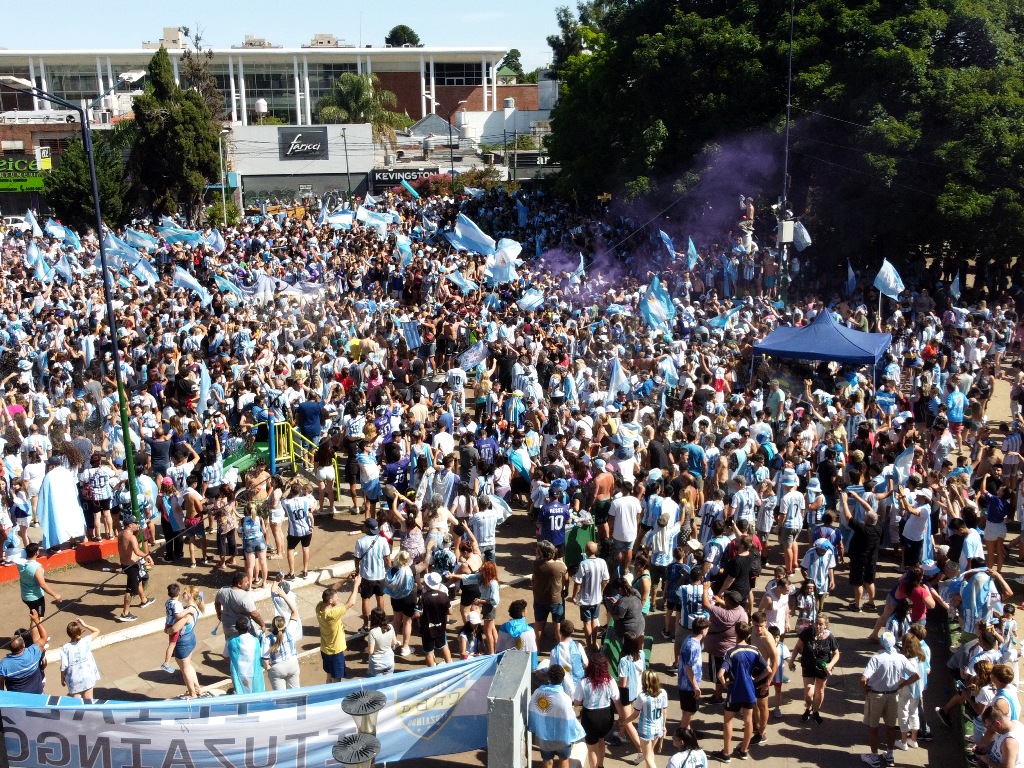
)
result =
(137, 239)
(30, 219)
(668, 244)
(531, 300)
(888, 281)
(691, 255)
(551, 716)
(656, 307)
(522, 213)
(618, 382)
(183, 279)
(579, 273)
(474, 238)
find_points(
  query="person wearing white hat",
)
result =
(433, 609)
(792, 506)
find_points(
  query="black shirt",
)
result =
(866, 539)
(739, 568)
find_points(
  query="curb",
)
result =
(155, 626)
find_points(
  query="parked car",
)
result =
(16, 222)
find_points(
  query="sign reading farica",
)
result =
(305, 143)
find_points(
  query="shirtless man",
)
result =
(762, 639)
(131, 555)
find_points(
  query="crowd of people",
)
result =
(667, 469)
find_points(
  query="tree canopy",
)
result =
(68, 188)
(513, 60)
(175, 149)
(907, 115)
(358, 98)
(402, 35)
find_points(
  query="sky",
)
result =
(86, 24)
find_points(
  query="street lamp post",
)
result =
(451, 145)
(27, 87)
(223, 196)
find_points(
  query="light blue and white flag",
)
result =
(522, 213)
(411, 332)
(668, 244)
(726, 320)
(30, 219)
(618, 382)
(226, 285)
(341, 219)
(183, 279)
(120, 254)
(55, 230)
(215, 240)
(954, 287)
(851, 279)
(63, 268)
(656, 307)
(551, 716)
(464, 284)
(404, 244)
(178, 235)
(168, 223)
(579, 273)
(32, 255)
(472, 238)
(473, 192)
(137, 239)
(888, 281)
(370, 200)
(903, 464)
(409, 188)
(691, 255)
(44, 272)
(501, 267)
(531, 300)
(473, 356)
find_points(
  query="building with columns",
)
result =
(289, 80)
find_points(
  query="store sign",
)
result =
(398, 175)
(20, 173)
(303, 143)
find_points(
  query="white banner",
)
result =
(429, 712)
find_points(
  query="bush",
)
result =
(215, 218)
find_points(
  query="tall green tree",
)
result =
(68, 187)
(513, 60)
(195, 72)
(401, 35)
(358, 98)
(175, 148)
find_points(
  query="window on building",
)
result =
(457, 74)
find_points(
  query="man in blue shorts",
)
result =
(742, 671)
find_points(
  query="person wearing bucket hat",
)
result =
(433, 609)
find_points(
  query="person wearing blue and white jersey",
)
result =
(299, 508)
(373, 555)
(279, 646)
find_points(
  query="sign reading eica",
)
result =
(20, 173)
(305, 143)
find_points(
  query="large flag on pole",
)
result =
(668, 244)
(30, 218)
(183, 279)
(137, 239)
(579, 273)
(954, 287)
(618, 382)
(888, 281)
(691, 254)
(656, 307)
(470, 236)
(522, 213)
(851, 279)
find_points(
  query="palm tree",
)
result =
(358, 99)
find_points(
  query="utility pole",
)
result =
(348, 176)
(515, 150)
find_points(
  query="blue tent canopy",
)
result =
(824, 339)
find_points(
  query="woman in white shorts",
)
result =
(277, 516)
